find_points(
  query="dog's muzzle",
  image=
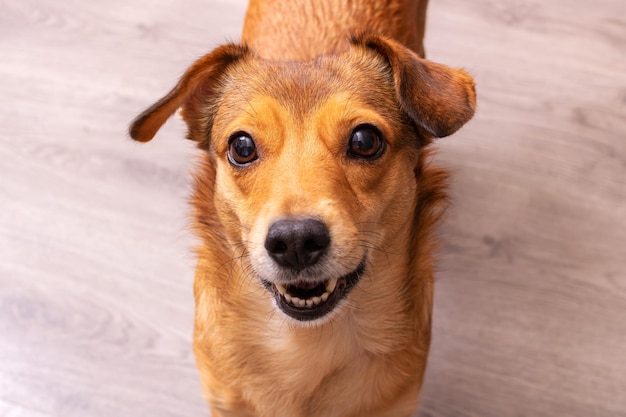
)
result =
(298, 246)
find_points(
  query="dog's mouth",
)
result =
(307, 301)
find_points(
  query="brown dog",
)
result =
(314, 202)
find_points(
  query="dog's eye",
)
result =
(241, 149)
(366, 142)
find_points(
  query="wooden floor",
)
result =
(95, 262)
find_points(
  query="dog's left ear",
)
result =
(199, 80)
(439, 99)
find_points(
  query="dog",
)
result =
(315, 203)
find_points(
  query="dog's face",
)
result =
(312, 164)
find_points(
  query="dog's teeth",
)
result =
(310, 302)
(330, 285)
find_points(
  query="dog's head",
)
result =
(310, 167)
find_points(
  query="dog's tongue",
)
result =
(306, 290)
(305, 285)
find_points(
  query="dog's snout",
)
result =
(297, 244)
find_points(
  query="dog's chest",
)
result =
(311, 374)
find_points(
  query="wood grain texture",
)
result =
(96, 265)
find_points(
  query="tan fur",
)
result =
(368, 356)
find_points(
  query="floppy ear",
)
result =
(203, 74)
(438, 99)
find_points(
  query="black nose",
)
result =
(297, 244)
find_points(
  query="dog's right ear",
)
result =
(202, 77)
(439, 99)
